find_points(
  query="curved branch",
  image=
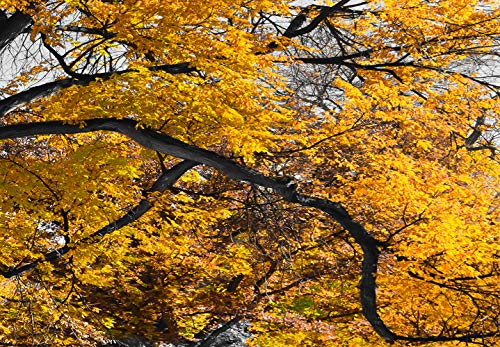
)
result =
(168, 145)
(171, 146)
(12, 27)
(14, 101)
(147, 138)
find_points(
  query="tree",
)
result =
(325, 171)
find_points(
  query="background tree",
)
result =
(327, 172)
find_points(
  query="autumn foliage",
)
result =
(327, 171)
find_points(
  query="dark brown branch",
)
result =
(167, 179)
(12, 102)
(385, 67)
(147, 138)
(168, 145)
(59, 58)
(171, 146)
(12, 27)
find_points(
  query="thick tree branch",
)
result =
(168, 145)
(92, 31)
(476, 132)
(12, 102)
(147, 138)
(12, 27)
(171, 146)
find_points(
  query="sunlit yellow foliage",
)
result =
(382, 107)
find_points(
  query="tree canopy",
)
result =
(325, 170)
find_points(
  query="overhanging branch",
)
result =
(12, 27)
(14, 101)
(166, 144)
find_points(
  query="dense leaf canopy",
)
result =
(325, 170)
